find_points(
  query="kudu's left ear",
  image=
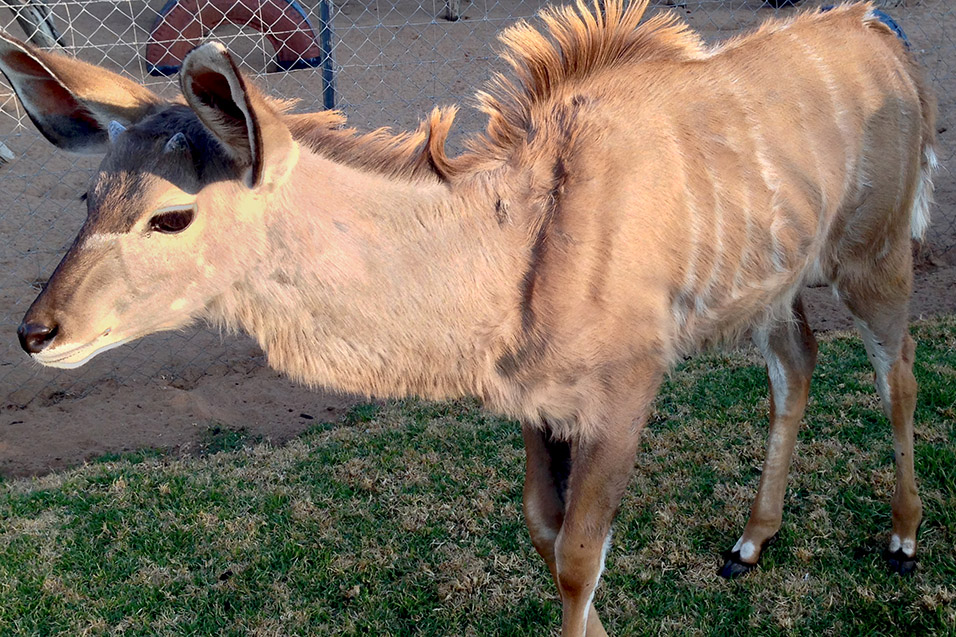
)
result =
(246, 125)
(72, 102)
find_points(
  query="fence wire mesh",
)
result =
(391, 61)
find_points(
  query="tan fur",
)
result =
(582, 42)
(419, 154)
(636, 196)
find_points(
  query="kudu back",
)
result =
(636, 196)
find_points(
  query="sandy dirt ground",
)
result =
(395, 61)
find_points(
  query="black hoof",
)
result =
(735, 567)
(900, 563)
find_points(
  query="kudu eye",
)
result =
(172, 220)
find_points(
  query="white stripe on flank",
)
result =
(693, 211)
(771, 180)
(680, 309)
(833, 92)
(767, 171)
(704, 294)
(776, 249)
(746, 208)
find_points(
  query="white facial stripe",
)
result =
(99, 239)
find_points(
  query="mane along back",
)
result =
(419, 154)
(579, 41)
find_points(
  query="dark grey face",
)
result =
(172, 146)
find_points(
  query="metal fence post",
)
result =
(325, 44)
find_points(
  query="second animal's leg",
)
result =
(547, 470)
(790, 351)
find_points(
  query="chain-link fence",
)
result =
(386, 61)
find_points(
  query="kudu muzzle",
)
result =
(38, 328)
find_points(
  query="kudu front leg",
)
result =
(547, 471)
(790, 351)
(600, 470)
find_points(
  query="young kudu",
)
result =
(637, 195)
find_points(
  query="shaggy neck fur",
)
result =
(361, 288)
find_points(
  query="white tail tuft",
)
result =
(919, 214)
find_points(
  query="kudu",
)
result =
(636, 196)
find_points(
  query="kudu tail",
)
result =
(919, 213)
(929, 164)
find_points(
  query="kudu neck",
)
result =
(378, 285)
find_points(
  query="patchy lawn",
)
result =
(406, 518)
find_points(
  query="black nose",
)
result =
(36, 336)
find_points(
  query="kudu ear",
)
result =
(246, 125)
(72, 102)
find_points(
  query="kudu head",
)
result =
(176, 210)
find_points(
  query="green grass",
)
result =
(405, 518)
(217, 439)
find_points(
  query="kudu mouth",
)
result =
(38, 340)
(43, 337)
(75, 356)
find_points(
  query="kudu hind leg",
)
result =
(547, 470)
(790, 351)
(891, 351)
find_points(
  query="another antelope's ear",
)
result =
(72, 102)
(246, 125)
